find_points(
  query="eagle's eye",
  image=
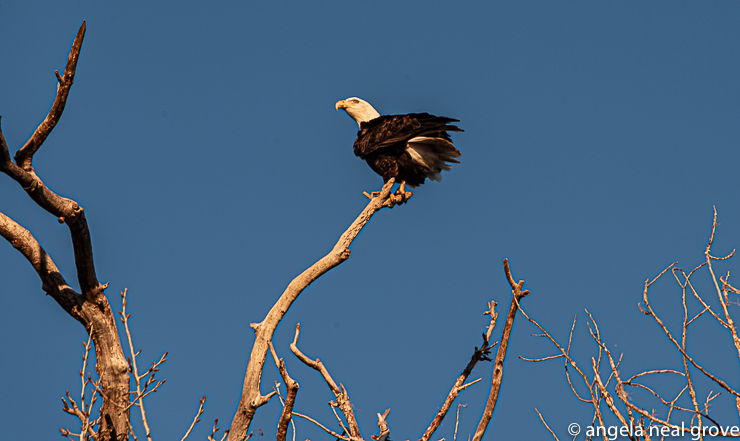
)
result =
(354, 101)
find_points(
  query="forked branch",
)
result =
(90, 307)
(292, 386)
(196, 420)
(479, 354)
(251, 398)
(339, 392)
(641, 421)
(142, 388)
(24, 156)
(498, 365)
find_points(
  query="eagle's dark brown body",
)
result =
(410, 148)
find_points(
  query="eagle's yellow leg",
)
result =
(401, 196)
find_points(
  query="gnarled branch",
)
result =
(292, 386)
(479, 354)
(498, 365)
(338, 390)
(90, 307)
(24, 156)
(251, 398)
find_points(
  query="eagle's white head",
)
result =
(358, 109)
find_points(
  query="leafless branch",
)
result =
(215, 429)
(343, 402)
(90, 307)
(196, 420)
(537, 360)
(723, 298)
(141, 392)
(498, 365)
(84, 411)
(595, 399)
(292, 386)
(637, 415)
(251, 398)
(479, 354)
(457, 420)
(384, 430)
(276, 388)
(24, 156)
(678, 346)
(324, 428)
(546, 426)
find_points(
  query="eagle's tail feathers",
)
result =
(434, 154)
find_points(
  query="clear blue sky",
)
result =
(202, 140)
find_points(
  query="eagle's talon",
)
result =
(401, 196)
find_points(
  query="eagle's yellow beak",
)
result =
(341, 104)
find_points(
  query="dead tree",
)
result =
(600, 383)
(92, 309)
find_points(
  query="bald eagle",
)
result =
(410, 148)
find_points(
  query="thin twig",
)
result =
(140, 393)
(339, 392)
(457, 420)
(327, 430)
(196, 420)
(546, 426)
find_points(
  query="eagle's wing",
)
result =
(395, 130)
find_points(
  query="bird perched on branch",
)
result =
(410, 148)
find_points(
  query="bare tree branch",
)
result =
(479, 354)
(498, 365)
(327, 430)
(339, 392)
(66, 210)
(196, 420)
(215, 429)
(683, 352)
(24, 156)
(385, 432)
(292, 386)
(140, 392)
(638, 419)
(251, 398)
(90, 307)
(457, 421)
(52, 281)
(548, 427)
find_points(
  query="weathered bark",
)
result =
(498, 364)
(292, 387)
(479, 354)
(251, 398)
(90, 307)
(340, 393)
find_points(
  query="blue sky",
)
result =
(201, 138)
